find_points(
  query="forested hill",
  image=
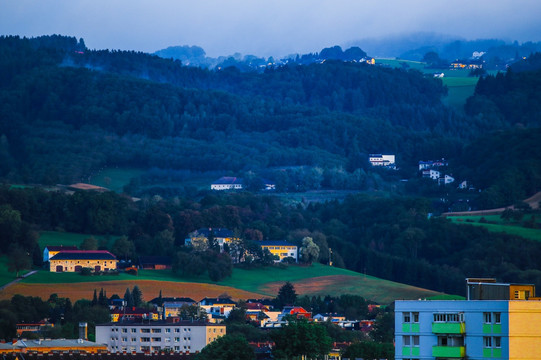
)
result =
(66, 110)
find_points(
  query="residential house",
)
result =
(227, 183)
(280, 248)
(432, 164)
(173, 335)
(382, 160)
(221, 236)
(331, 317)
(132, 313)
(76, 260)
(172, 306)
(470, 64)
(432, 174)
(497, 321)
(217, 308)
(446, 179)
(51, 251)
(295, 311)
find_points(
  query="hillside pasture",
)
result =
(311, 280)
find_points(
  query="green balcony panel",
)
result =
(415, 351)
(487, 329)
(406, 351)
(497, 353)
(497, 328)
(406, 328)
(448, 351)
(448, 328)
(487, 352)
(415, 328)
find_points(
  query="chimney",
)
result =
(83, 331)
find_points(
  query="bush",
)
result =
(86, 271)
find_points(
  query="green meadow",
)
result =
(496, 224)
(115, 178)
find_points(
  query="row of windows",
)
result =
(148, 339)
(145, 348)
(148, 331)
(449, 317)
(411, 317)
(492, 318)
(488, 317)
(410, 340)
(492, 341)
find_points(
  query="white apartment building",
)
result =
(154, 336)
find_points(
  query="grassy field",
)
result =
(115, 178)
(56, 238)
(308, 280)
(459, 84)
(459, 90)
(497, 224)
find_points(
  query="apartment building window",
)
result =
(145, 339)
(407, 317)
(124, 339)
(487, 341)
(497, 318)
(415, 316)
(167, 330)
(156, 331)
(177, 330)
(177, 348)
(177, 339)
(145, 348)
(133, 339)
(124, 330)
(497, 341)
(487, 318)
(133, 330)
(415, 340)
(406, 340)
(145, 331)
(156, 339)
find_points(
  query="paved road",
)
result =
(18, 279)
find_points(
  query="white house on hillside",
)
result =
(381, 160)
(227, 183)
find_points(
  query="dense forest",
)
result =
(67, 111)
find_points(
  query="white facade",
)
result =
(179, 337)
(381, 160)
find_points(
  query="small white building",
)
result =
(381, 160)
(148, 337)
(227, 183)
(433, 174)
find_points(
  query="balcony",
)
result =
(449, 351)
(448, 328)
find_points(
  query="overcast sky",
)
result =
(271, 27)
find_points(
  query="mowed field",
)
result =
(308, 280)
